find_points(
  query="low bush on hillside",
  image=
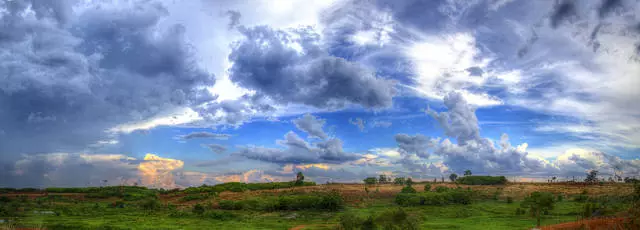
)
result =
(320, 201)
(454, 196)
(392, 219)
(204, 196)
(482, 180)
(408, 189)
(241, 187)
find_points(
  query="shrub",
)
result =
(538, 203)
(392, 219)
(509, 200)
(327, 201)
(560, 197)
(434, 198)
(399, 180)
(408, 189)
(150, 204)
(441, 189)
(427, 187)
(370, 180)
(482, 180)
(198, 209)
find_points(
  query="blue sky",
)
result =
(172, 95)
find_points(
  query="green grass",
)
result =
(479, 215)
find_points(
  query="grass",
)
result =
(168, 212)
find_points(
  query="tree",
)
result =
(299, 178)
(538, 203)
(399, 180)
(382, 179)
(442, 179)
(467, 172)
(409, 182)
(453, 177)
(592, 177)
(553, 179)
(370, 180)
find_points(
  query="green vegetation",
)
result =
(454, 196)
(538, 203)
(482, 180)
(321, 201)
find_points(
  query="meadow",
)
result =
(290, 205)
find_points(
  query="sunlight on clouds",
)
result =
(156, 171)
(178, 117)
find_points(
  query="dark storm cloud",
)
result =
(216, 148)
(234, 18)
(418, 144)
(195, 135)
(268, 61)
(68, 78)
(312, 125)
(608, 6)
(561, 12)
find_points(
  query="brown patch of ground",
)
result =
(592, 224)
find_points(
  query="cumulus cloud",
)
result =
(298, 151)
(311, 125)
(71, 75)
(196, 135)
(291, 67)
(418, 144)
(382, 124)
(358, 122)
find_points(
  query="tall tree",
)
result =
(453, 177)
(299, 178)
(592, 177)
(382, 179)
(467, 172)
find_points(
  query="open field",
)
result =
(492, 207)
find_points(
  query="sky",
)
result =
(165, 93)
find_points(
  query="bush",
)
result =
(427, 187)
(482, 180)
(509, 200)
(560, 197)
(392, 220)
(205, 196)
(434, 198)
(408, 189)
(150, 204)
(327, 201)
(198, 209)
(440, 189)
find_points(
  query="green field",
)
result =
(304, 207)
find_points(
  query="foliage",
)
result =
(408, 189)
(427, 187)
(453, 177)
(391, 220)
(241, 187)
(399, 180)
(592, 176)
(370, 180)
(482, 180)
(219, 215)
(150, 204)
(408, 182)
(204, 196)
(383, 179)
(320, 201)
(198, 209)
(509, 200)
(455, 196)
(467, 172)
(299, 179)
(538, 203)
(441, 189)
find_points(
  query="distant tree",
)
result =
(409, 182)
(382, 179)
(299, 178)
(467, 172)
(399, 180)
(453, 177)
(435, 180)
(538, 203)
(592, 177)
(553, 179)
(442, 179)
(370, 180)
(611, 179)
